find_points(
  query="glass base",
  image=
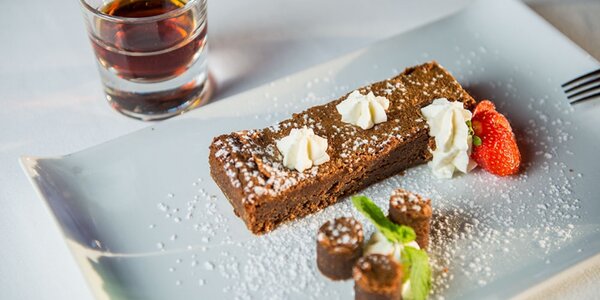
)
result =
(160, 105)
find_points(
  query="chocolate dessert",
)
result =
(339, 246)
(377, 277)
(412, 210)
(248, 167)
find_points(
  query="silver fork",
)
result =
(584, 87)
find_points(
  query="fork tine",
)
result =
(593, 80)
(593, 73)
(594, 87)
(586, 97)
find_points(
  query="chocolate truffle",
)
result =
(339, 246)
(412, 210)
(377, 277)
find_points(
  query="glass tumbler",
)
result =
(152, 54)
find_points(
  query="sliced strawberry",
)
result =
(495, 147)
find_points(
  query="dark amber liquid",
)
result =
(148, 51)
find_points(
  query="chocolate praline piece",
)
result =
(339, 246)
(377, 277)
(413, 210)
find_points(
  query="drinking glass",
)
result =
(152, 54)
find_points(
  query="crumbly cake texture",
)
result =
(377, 277)
(247, 166)
(339, 246)
(413, 210)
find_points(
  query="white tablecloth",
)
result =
(51, 101)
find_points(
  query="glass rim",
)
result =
(118, 19)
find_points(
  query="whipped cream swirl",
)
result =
(447, 124)
(363, 111)
(379, 244)
(302, 149)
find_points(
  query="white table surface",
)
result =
(51, 102)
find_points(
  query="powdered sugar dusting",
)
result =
(342, 232)
(405, 200)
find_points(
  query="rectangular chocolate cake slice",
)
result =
(248, 167)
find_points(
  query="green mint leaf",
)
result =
(416, 263)
(476, 140)
(405, 234)
(393, 232)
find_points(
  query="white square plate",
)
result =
(144, 220)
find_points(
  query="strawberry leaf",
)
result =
(470, 126)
